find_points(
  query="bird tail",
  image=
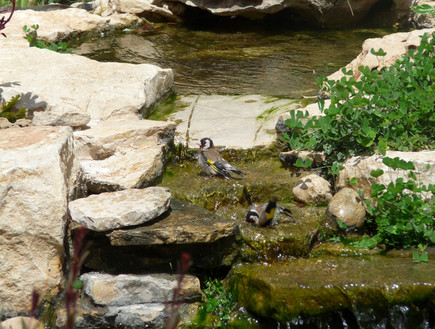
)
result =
(238, 172)
(286, 212)
(247, 195)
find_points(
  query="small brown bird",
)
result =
(210, 160)
(267, 214)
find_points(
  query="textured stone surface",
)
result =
(21, 322)
(109, 211)
(123, 153)
(313, 189)
(347, 206)
(129, 289)
(395, 45)
(369, 288)
(35, 166)
(360, 168)
(75, 89)
(234, 122)
(209, 239)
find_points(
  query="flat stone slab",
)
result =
(130, 289)
(324, 285)
(108, 211)
(210, 240)
(124, 153)
(237, 122)
(185, 223)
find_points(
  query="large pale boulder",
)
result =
(321, 13)
(56, 25)
(360, 167)
(129, 289)
(66, 89)
(231, 121)
(35, 167)
(108, 211)
(122, 153)
(395, 45)
(21, 322)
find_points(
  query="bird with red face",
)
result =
(212, 163)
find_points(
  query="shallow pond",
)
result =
(236, 59)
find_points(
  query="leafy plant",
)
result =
(28, 3)
(218, 305)
(424, 9)
(9, 112)
(32, 37)
(387, 109)
(420, 255)
(402, 216)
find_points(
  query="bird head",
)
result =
(253, 217)
(205, 143)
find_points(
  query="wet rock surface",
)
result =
(322, 285)
(347, 206)
(210, 240)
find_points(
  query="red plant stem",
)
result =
(3, 22)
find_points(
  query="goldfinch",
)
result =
(212, 162)
(267, 214)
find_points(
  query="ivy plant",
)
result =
(32, 37)
(403, 211)
(390, 108)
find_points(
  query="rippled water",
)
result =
(248, 59)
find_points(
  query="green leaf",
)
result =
(353, 181)
(380, 52)
(376, 173)
(424, 9)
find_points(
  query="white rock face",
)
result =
(120, 153)
(234, 122)
(129, 289)
(58, 24)
(313, 189)
(75, 89)
(21, 322)
(395, 45)
(109, 211)
(347, 206)
(36, 164)
(360, 168)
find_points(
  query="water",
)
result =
(248, 58)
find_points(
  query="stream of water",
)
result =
(236, 59)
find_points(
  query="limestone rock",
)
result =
(129, 289)
(313, 189)
(220, 118)
(347, 206)
(109, 211)
(325, 286)
(395, 45)
(21, 322)
(360, 167)
(58, 24)
(94, 90)
(4, 123)
(120, 153)
(209, 239)
(35, 167)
